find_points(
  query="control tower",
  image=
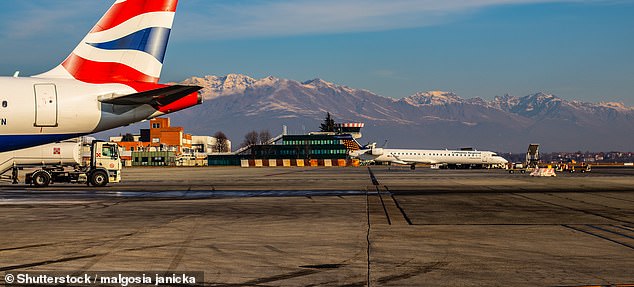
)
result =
(353, 129)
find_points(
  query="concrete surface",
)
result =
(331, 227)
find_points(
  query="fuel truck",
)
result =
(64, 162)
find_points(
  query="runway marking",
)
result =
(214, 248)
(64, 243)
(389, 204)
(47, 262)
(400, 208)
(624, 227)
(387, 214)
(117, 241)
(185, 244)
(612, 197)
(151, 246)
(610, 231)
(581, 201)
(426, 268)
(372, 177)
(572, 208)
(26, 247)
(388, 207)
(597, 235)
(367, 239)
(420, 270)
(272, 248)
(280, 277)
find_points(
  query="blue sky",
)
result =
(477, 48)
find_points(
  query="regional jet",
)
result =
(109, 80)
(411, 157)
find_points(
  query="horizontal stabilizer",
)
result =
(158, 97)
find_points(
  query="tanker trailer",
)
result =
(63, 163)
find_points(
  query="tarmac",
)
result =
(377, 226)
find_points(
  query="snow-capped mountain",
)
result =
(237, 104)
(215, 86)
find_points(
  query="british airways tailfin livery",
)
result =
(109, 80)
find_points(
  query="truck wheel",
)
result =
(41, 178)
(99, 178)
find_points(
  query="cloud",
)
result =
(246, 19)
(235, 19)
(36, 19)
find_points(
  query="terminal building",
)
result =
(313, 149)
(164, 145)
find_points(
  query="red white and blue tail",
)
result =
(127, 45)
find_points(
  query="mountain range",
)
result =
(237, 104)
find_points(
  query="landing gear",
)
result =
(412, 167)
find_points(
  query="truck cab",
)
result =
(105, 164)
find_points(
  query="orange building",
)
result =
(161, 136)
(164, 135)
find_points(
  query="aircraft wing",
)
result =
(412, 161)
(158, 97)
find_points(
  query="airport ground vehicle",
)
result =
(63, 163)
(516, 167)
(573, 167)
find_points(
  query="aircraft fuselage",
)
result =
(35, 111)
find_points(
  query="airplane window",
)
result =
(4, 104)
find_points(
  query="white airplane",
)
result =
(109, 80)
(412, 157)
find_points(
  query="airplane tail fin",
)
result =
(127, 45)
